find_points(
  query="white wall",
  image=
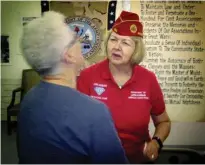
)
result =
(11, 24)
(185, 133)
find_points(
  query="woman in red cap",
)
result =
(131, 92)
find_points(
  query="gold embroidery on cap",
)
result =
(133, 28)
(115, 29)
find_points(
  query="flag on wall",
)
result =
(111, 14)
(44, 6)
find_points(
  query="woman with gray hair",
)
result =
(130, 91)
(58, 124)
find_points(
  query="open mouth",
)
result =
(116, 56)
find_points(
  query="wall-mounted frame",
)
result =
(5, 51)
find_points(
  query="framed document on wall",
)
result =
(5, 53)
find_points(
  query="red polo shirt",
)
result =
(130, 106)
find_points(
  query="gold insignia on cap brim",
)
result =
(133, 28)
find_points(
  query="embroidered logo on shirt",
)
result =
(99, 90)
(138, 95)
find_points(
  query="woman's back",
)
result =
(60, 125)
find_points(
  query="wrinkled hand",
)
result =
(151, 150)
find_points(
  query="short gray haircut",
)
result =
(44, 41)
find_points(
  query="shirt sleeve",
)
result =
(106, 145)
(157, 97)
(83, 83)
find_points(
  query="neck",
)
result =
(67, 78)
(120, 69)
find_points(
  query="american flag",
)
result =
(111, 14)
(44, 6)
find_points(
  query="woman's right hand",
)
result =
(151, 150)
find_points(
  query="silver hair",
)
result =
(44, 41)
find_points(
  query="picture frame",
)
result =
(5, 50)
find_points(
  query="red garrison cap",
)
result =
(128, 24)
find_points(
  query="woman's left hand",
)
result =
(151, 150)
